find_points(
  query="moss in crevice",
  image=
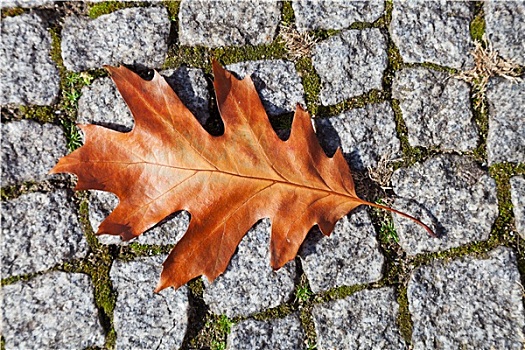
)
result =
(213, 334)
(136, 250)
(303, 302)
(106, 7)
(311, 83)
(433, 66)
(191, 56)
(43, 114)
(339, 293)
(229, 55)
(371, 97)
(404, 322)
(477, 24)
(173, 8)
(10, 192)
(13, 11)
(287, 13)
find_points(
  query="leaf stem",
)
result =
(428, 229)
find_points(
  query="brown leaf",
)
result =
(168, 163)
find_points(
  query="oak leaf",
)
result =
(169, 162)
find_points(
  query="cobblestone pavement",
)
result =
(386, 81)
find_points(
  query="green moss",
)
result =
(339, 293)
(433, 66)
(173, 9)
(44, 114)
(287, 14)
(372, 96)
(477, 25)
(103, 8)
(311, 83)
(197, 57)
(134, 250)
(214, 332)
(13, 11)
(404, 321)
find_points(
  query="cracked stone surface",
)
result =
(468, 303)
(435, 32)
(285, 333)
(436, 109)
(350, 64)
(228, 22)
(449, 193)
(249, 284)
(27, 72)
(52, 311)
(277, 82)
(102, 104)
(506, 135)
(349, 256)
(169, 231)
(505, 28)
(364, 320)
(311, 15)
(517, 191)
(130, 36)
(365, 135)
(30, 150)
(143, 319)
(39, 231)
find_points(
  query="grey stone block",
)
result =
(249, 284)
(364, 320)
(350, 64)
(142, 318)
(131, 36)
(39, 230)
(228, 22)
(52, 311)
(169, 231)
(349, 256)
(310, 15)
(30, 150)
(506, 135)
(23, 3)
(365, 135)
(468, 303)
(451, 195)
(433, 31)
(274, 334)
(102, 104)
(517, 191)
(436, 109)
(276, 81)
(28, 74)
(505, 28)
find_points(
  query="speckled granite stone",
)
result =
(52, 311)
(30, 150)
(505, 28)
(364, 320)
(517, 191)
(102, 104)
(350, 64)
(365, 135)
(39, 231)
(27, 72)
(433, 31)
(311, 15)
(276, 81)
(131, 36)
(228, 22)
(468, 303)
(143, 319)
(436, 109)
(349, 256)
(278, 333)
(449, 193)
(169, 231)
(23, 3)
(506, 136)
(249, 284)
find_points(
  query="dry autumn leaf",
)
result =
(168, 163)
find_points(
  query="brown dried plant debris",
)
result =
(488, 64)
(382, 173)
(297, 44)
